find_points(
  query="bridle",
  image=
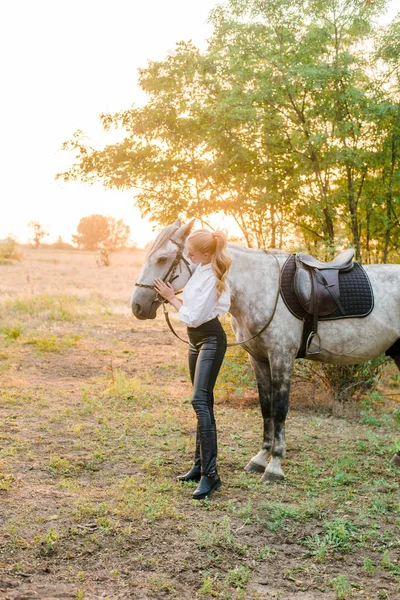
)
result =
(171, 271)
(179, 256)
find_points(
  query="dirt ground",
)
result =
(96, 422)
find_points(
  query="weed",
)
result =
(126, 389)
(337, 539)
(11, 332)
(60, 466)
(145, 500)
(341, 586)
(265, 553)
(48, 541)
(6, 481)
(51, 343)
(387, 564)
(277, 514)
(217, 533)
(245, 512)
(238, 577)
(368, 566)
(207, 587)
(53, 308)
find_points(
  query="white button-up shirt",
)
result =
(200, 303)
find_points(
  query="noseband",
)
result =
(171, 271)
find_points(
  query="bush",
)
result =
(344, 382)
(8, 250)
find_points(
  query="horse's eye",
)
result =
(162, 259)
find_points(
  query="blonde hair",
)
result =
(213, 242)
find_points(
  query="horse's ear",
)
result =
(184, 230)
(178, 223)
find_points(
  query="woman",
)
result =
(205, 298)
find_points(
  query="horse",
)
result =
(254, 284)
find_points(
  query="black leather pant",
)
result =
(207, 347)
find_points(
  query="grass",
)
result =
(94, 433)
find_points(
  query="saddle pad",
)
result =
(356, 293)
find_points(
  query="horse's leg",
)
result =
(263, 375)
(281, 370)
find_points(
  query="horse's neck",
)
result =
(253, 275)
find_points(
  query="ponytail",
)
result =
(220, 260)
(214, 242)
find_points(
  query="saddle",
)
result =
(316, 285)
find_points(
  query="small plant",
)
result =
(60, 466)
(6, 481)
(218, 533)
(238, 577)
(337, 539)
(277, 514)
(48, 541)
(207, 587)
(341, 586)
(369, 567)
(11, 332)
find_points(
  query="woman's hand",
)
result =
(164, 289)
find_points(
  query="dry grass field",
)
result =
(95, 423)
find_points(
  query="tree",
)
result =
(118, 234)
(98, 231)
(287, 122)
(39, 232)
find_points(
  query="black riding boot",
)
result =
(210, 481)
(195, 472)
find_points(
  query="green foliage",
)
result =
(369, 567)
(217, 533)
(282, 123)
(11, 332)
(238, 577)
(344, 381)
(337, 539)
(236, 375)
(52, 343)
(341, 586)
(277, 515)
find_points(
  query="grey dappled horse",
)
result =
(253, 281)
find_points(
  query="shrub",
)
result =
(8, 251)
(344, 382)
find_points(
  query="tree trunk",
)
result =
(353, 211)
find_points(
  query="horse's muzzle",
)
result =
(144, 313)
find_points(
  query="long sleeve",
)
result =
(206, 299)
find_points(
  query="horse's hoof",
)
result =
(253, 467)
(396, 460)
(272, 476)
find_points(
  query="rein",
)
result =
(163, 301)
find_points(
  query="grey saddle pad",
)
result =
(355, 293)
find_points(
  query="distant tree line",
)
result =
(99, 232)
(94, 232)
(289, 122)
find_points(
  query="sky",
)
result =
(63, 63)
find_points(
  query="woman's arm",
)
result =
(167, 291)
(176, 302)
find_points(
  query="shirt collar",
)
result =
(204, 267)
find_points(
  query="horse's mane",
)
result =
(160, 240)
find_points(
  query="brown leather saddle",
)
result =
(316, 285)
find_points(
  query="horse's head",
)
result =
(166, 259)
